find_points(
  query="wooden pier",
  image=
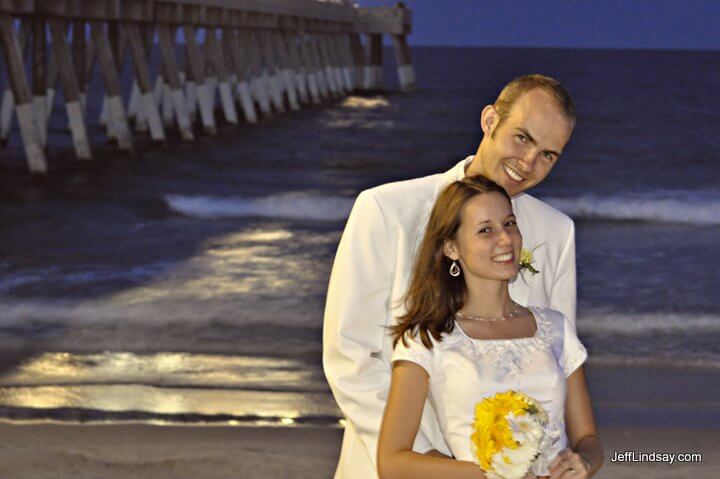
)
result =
(220, 60)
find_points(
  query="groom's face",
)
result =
(519, 151)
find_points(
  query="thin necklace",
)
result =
(513, 313)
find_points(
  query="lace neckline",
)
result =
(510, 354)
(522, 338)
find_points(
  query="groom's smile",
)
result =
(512, 173)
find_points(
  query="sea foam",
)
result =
(286, 206)
(637, 324)
(659, 207)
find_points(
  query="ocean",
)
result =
(187, 283)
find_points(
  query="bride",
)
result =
(464, 339)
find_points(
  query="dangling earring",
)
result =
(454, 269)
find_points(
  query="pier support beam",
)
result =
(297, 70)
(312, 70)
(166, 35)
(285, 69)
(342, 47)
(406, 72)
(329, 66)
(196, 69)
(7, 103)
(117, 44)
(242, 70)
(117, 121)
(326, 77)
(336, 63)
(8, 100)
(71, 89)
(39, 78)
(21, 93)
(259, 82)
(358, 61)
(373, 70)
(79, 47)
(265, 43)
(52, 80)
(142, 76)
(313, 56)
(188, 82)
(214, 49)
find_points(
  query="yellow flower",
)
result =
(526, 260)
(526, 256)
(492, 431)
(492, 437)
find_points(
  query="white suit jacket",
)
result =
(370, 275)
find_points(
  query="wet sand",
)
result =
(147, 451)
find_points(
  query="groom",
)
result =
(524, 134)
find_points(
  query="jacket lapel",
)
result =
(521, 286)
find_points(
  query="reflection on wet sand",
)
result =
(168, 386)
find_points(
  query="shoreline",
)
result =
(151, 451)
(166, 389)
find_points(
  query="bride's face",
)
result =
(488, 242)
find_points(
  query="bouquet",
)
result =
(508, 432)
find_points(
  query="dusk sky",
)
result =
(644, 24)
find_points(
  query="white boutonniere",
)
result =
(527, 260)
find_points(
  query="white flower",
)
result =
(522, 456)
(506, 469)
(526, 429)
(511, 463)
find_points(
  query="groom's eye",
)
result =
(521, 138)
(483, 230)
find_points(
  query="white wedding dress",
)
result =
(463, 371)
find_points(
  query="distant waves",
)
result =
(695, 208)
(638, 324)
(683, 207)
(287, 206)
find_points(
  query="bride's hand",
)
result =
(569, 465)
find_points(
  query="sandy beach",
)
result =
(145, 451)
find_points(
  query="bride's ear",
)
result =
(450, 250)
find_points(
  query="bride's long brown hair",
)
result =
(434, 296)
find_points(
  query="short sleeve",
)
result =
(415, 352)
(574, 353)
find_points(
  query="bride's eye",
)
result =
(484, 230)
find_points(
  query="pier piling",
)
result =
(233, 61)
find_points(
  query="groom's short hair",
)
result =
(516, 88)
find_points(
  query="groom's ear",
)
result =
(489, 119)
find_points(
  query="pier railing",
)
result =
(239, 60)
